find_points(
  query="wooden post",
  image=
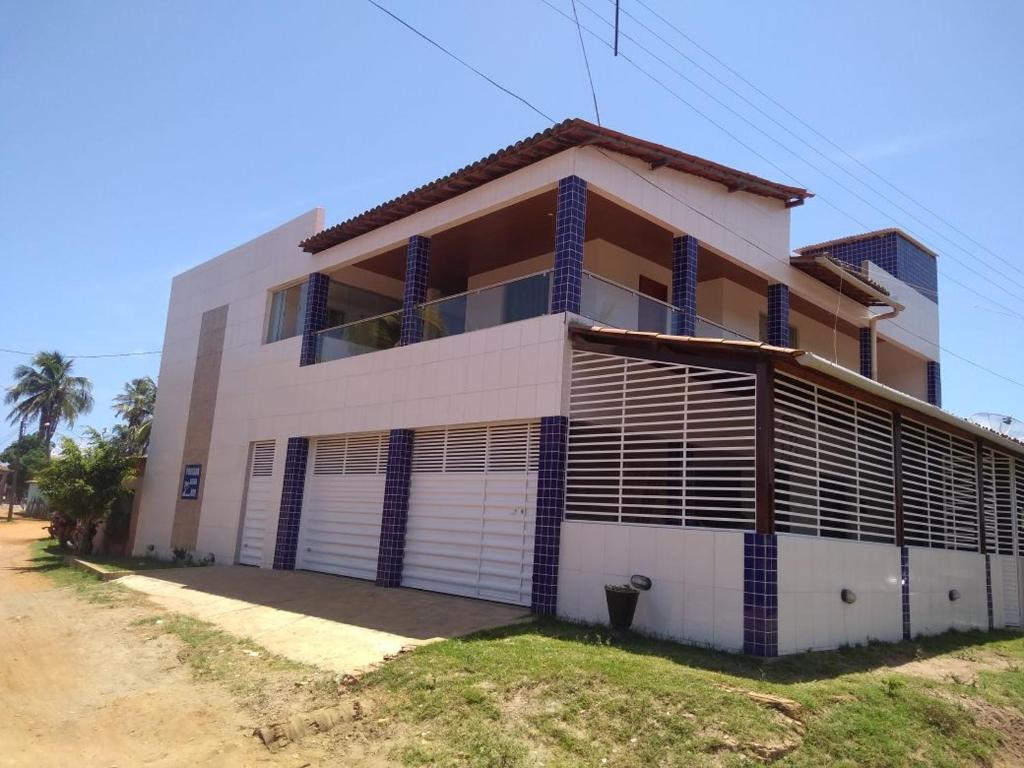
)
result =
(979, 448)
(764, 505)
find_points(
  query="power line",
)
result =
(586, 61)
(775, 165)
(674, 197)
(85, 357)
(809, 127)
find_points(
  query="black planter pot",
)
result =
(621, 606)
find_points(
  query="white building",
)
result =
(581, 358)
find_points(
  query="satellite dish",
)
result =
(1004, 425)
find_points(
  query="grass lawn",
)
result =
(48, 548)
(556, 694)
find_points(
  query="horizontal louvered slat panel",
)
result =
(997, 498)
(834, 473)
(660, 443)
(263, 458)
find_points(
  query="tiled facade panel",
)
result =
(934, 374)
(396, 509)
(554, 437)
(315, 319)
(417, 273)
(684, 285)
(988, 590)
(867, 364)
(778, 315)
(760, 595)
(896, 255)
(291, 503)
(905, 590)
(570, 229)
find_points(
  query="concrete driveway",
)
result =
(345, 625)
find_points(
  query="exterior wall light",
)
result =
(643, 583)
(849, 596)
(954, 594)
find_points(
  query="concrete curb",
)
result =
(95, 570)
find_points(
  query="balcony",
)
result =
(603, 301)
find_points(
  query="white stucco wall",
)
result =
(697, 595)
(812, 574)
(916, 328)
(933, 573)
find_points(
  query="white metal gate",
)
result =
(342, 506)
(472, 508)
(258, 503)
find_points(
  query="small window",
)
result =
(762, 332)
(287, 309)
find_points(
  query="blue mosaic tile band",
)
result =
(291, 503)
(934, 383)
(778, 315)
(396, 509)
(893, 253)
(867, 363)
(905, 589)
(570, 230)
(988, 590)
(315, 319)
(417, 273)
(684, 285)
(554, 444)
(760, 595)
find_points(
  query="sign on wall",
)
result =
(190, 481)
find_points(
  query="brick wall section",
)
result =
(893, 253)
(760, 595)
(291, 503)
(396, 509)
(554, 442)
(417, 273)
(315, 319)
(570, 229)
(684, 285)
(934, 373)
(867, 363)
(778, 315)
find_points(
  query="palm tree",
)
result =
(135, 405)
(46, 390)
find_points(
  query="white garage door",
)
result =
(342, 505)
(472, 507)
(258, 503)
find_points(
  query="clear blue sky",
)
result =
(139, 139)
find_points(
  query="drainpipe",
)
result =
(894, 306)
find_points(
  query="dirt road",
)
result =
(79, 685)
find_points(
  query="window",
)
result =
(287, 310)
(348, 304)
(834, 472)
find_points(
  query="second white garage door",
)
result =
(339, 530)
(472, 507)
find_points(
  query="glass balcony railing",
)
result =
(370, 335)
(616, 306)
(518, 299)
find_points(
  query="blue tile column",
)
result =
(315, 318)
(867, 362)
(684, 285)
(291, 503)
(570, 229)
(396, 509)
(760, 595)
(988, 591)
(934, 383)
(905, 590)
(417, 272)
(554, 445)
(778, 315)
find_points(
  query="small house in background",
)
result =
(582, 358)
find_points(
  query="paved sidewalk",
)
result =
(341, 624)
